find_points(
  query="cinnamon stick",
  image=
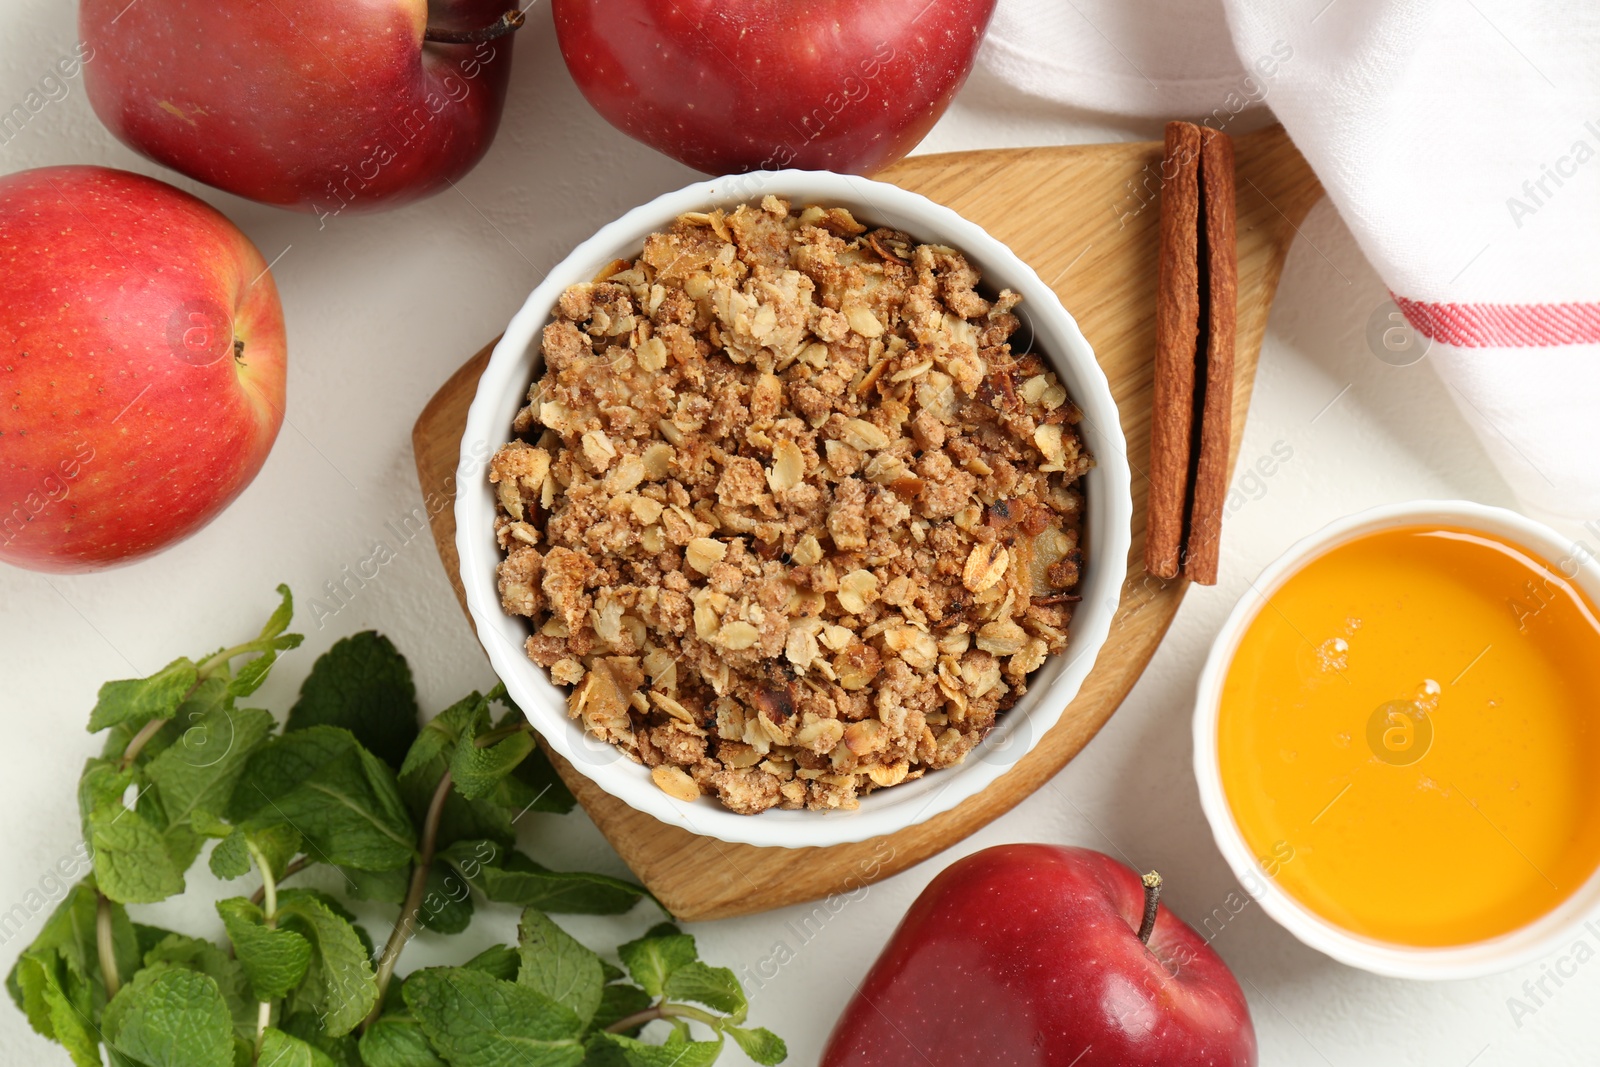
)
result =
(1220, 285)
(1177, 334)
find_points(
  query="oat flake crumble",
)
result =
(785, 510)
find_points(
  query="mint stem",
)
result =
(140, 739)
(105, 939)
(684, 1011)
(269, 892)
(209, 665)
(260, 895)
(411, 908)
(500, 733)
(269, 887)
(263, 1020)
(638, 1018)
(664, 1010)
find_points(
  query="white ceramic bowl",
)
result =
(1524, 945)
(1108, 506)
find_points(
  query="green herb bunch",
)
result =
(418, 817)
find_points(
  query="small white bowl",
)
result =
(1108, 507)
(1524, 945)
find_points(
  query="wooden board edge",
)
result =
(1296, 191)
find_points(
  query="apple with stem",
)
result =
(846, 85)
(142, 363)
(1041, 955)
(319, 105)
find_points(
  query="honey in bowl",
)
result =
(1407, 736)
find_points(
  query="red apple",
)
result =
(141, 364)
(847, 85)
(319, 105)
(1032, 955)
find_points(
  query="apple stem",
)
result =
(510, 22)
(1152, 894)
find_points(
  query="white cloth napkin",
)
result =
(1459, 140)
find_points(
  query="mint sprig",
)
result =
(419, 816)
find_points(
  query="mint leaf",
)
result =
(230, 859)
(274, 961)
(761, 1045)
(339, 983)
(255, 671)
(138, 700)
(41, 988)
(492, 816)
(209, 824)
(200, 955)
(397, 1041)
(535, 786)
(522, 881)
(614, 1050)
(102, 781)
(569, 892)
(57, 981)
(208, 693)
(269, 643)
(332, 904)
(388, 887)
(170, 1017)
(463, 819)
(653, 958)
(278, 1049)
(70, 935)
(475, 1020)
(340, 797)
(501, 961)
(148, 937)
(101, 784)
(509, 877)
(512, 773)
(442, 731)
(447, 902)
(478, 770)
(498, 695)
(715, 987)
(131, 862)
(278, 621)
(342, 1050)
(199, 771)
(278, 845)
(556, 965)
(364, 685)
(471, 857)
(617, 1002)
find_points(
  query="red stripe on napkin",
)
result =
(1504, 325)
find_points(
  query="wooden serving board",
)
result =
(1085, 217)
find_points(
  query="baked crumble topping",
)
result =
(784, 509)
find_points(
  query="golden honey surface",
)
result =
(1413, 719)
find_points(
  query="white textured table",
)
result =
(382, 308)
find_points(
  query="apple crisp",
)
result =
(785, 510)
